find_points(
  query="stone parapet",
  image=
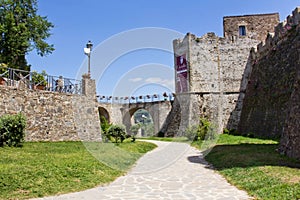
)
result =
(280, 32)
(52, 116)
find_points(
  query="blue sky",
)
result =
(77, 21)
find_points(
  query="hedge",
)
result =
(12, 130)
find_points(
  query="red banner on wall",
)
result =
(181, 74)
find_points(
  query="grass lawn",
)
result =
(49, 168)
(255, 166)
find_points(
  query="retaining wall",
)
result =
(52, 116)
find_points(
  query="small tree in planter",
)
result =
(39, 80)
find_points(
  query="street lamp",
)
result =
(143, 129)
(87, 51)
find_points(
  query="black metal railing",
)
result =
(39, 81)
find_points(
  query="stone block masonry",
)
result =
(271, 104)
(218, 69)
(249, 79)
(53, 116)
(123, 113)
(255, 26)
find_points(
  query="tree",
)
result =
(117, 132)
(22, 30)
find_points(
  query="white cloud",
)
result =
(165, 82)
(135, 79)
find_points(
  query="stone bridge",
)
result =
(122, 113)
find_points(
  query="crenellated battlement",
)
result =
(275, 38)
(255, 66)
(211, 64)
(271, 102)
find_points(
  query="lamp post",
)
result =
(143, 129)
(87, 51)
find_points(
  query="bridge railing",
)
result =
(39, 81)
(136, 99)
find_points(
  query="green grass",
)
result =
(44, 169)
(255, 166)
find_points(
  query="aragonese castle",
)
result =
(248, 80)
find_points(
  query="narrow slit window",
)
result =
(242, 30)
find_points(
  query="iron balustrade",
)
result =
(25, 79)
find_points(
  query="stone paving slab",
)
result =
(173, 171)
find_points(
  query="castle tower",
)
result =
(255, 27)
(211, 72)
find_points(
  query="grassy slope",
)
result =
(43, 169)
(255, 166)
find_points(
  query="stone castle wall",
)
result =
(257, 26)
(219, 68)
(52, 116)
(217, 64)
(271, 104)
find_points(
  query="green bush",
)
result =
(200, 131)
(231, 132)
(191, 132)
(226, 131)
(160, 134)
(104, 127)
(39, 78)
(12, 130)
(135, 128)
(148, 130)
(117, 132)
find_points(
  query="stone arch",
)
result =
(103, 112)
(158, 111)
(127, 117)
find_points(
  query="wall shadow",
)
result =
(245, 155)
(200, 160)
(234, 119)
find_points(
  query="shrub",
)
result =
(160, 134)
(104, 127)
(250, 135)
(117, 132)
(226, 131)
(3, 68)
(135, 128)
(200, 131)
(39, 78)
(231, 132)
(12, 130)
(148, 130)
(191, 132)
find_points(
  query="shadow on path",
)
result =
(248, 155)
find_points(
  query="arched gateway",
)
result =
(122, 113)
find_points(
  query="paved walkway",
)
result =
(172, 171)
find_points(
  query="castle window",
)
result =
(242, 30)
